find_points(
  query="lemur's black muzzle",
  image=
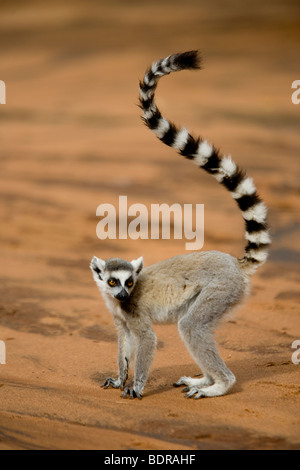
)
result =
(122, 295)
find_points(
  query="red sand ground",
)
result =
(71, 139)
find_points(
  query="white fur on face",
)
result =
(122, 276)
(101, 276)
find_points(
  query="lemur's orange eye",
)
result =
(129, 282)
(112, 282)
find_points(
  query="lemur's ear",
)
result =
(97, 266)
(138, 264)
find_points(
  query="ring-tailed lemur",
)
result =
(196, 289)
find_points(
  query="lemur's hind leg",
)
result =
(196, 330)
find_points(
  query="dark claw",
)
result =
(131, 392)
(185, 389)
(175, 384)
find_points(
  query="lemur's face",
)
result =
(116, 277)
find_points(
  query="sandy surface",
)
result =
(71, 139)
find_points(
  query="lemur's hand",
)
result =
(114, 383)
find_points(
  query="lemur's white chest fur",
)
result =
(195, 290)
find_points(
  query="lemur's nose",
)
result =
(122, 295)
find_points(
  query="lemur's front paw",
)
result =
(110, 382)
(132, 393)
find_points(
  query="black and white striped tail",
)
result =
(208, 157)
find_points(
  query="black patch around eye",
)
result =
(129, 281)
(115, 281)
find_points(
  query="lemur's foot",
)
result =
(132, 393)
(191, 382)
(216, 390)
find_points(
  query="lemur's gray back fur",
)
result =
(206, 156)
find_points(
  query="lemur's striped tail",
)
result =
(208, 157)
